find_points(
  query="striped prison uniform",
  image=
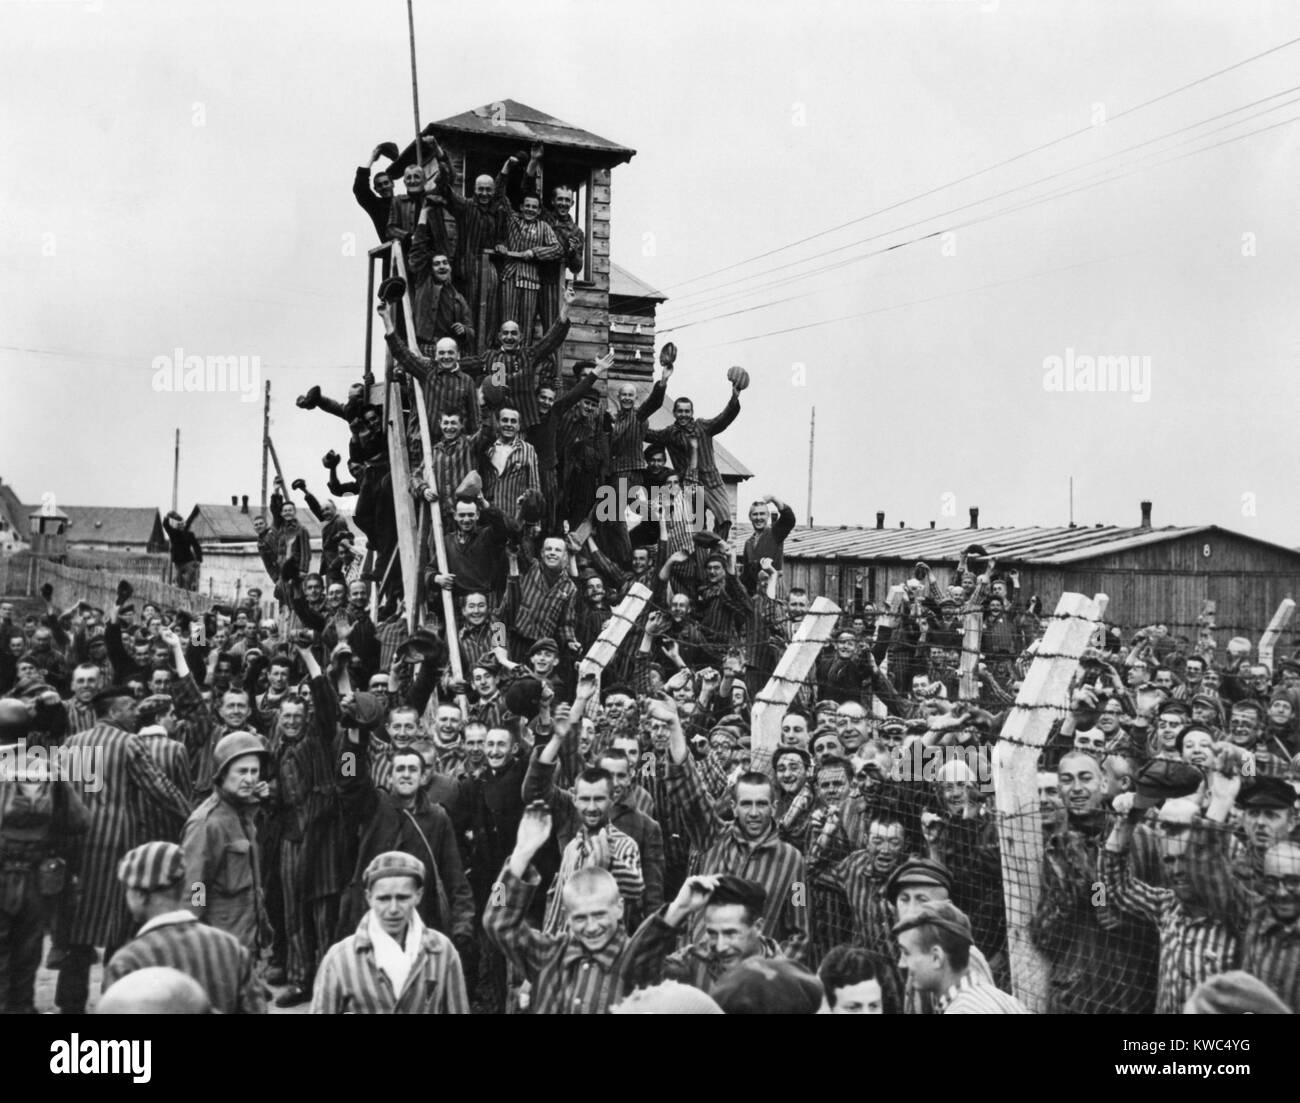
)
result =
(156, 821)
(628, 427)
(445, 392)
(864, 890)
(510, 469)
(479, 228)
(566, 978)
(202, 730)
(521, 280)
(80, 717)
(391, 634)
(451, 461)
(543, 604)
(214, 958)
(520, 371)
(476, 640)
(775, 865)
(970, 996)
(693, 964)
(695, 442)
(350, 982)
(1272, 953)
(313, 864)
(573, 242)
(1197, 941)
(610, 848)
(124, 777)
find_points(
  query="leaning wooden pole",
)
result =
(795, 665)
(1015, 766)
(1273, 633)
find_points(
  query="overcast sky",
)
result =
(178, 175)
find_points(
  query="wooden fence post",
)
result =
(1015, 764)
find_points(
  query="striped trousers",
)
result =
(308, 924)
(519, 304)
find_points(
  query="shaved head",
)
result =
(155, 991)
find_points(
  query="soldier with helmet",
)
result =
(222, 861)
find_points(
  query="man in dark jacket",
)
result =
(378, 203)
(187, 555)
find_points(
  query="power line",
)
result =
(990, 168)
(977, 202)
(865, 313)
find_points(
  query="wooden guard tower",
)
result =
(479, 140)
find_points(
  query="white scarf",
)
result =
(394, 960)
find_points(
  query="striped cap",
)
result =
(151, 866)
(394, 863)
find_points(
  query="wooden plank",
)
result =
(599, 232)
(600, 193)
(600, 177)
(795, 665)
(596, 334)
(1273, 633)
(972, 629)
(1015, 765)
(600, 211)
(625, 614)
(408, 553)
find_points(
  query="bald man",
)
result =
(157, 990)
(480, 224)
(587, 967)
(447, 389)
(628, 427)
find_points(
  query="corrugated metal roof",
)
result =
(728, 466)
(517, 121)
(1029, 545)
(228, 524)
(623, 283)
(112, 524)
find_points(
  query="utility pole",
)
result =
(812, 432)
(415, 89)
(1071, 501)
(176, 471)
(266, 436)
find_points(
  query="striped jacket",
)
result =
(522, 235)
(445, 392)
(80, 717)
(544, 605)
(350, 983)
(701, 432)
(693, 964)
(116, 778)
(1197, 941)
(567, 979)
(156, 821)
(609, 848)
(1272, 953)
(214, 958)
(775, 865)
(976, 997)
(626, 439)
(519, 472)
(519, 370)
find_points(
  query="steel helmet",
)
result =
(232, 746)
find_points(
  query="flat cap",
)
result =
(1267, 792)
(941, 913)
(918, 871)
(544, 644)
(1164, 779)
(150, 867)
(394, 863)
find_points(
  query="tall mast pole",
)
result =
(812, 432)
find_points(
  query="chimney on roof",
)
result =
(974, 517)
(243, 504)
(932, 524)
(880, 519)
(902, 524)
(234, 499)
(1146, 515)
